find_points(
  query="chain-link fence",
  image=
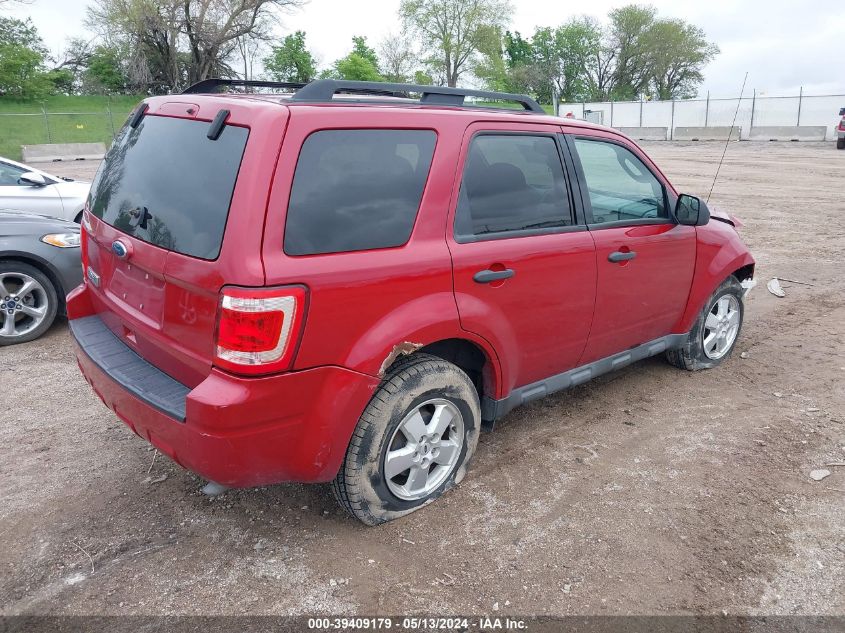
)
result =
(56, 127)
(755, 111)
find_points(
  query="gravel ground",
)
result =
(649, 491)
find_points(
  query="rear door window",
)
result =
(512, 183)
(357, 190)
(165, 182)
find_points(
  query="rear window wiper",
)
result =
(140, 217)
(217, 125)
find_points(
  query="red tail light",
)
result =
(258, 329)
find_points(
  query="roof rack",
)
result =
(211, 85)
(323, 90)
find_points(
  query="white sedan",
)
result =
(24, 188)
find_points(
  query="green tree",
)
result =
(518, 50)
(292, 61)
(679, 52)
(361, 64)
(453, 30)
(23, 73)
(105, 72)
(491, 67)
(422, 78)
(360, 48)
(21, 33)
(356, 68)
(630, 36)
(564, 55)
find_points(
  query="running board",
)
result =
(492, 410)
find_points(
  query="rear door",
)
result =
(523, 263)
(159, 209)
(645, 260)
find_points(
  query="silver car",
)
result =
(28, 189)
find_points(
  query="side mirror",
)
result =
(32, 179)
(691, 211)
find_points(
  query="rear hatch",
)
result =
(170, 221)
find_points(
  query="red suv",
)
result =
(345, 284)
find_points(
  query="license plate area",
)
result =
(138, 291)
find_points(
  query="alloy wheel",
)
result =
(23, 304)
(721, 327)
(424, 449)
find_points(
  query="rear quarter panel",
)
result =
(366, 306)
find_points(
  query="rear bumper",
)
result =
(239, 432)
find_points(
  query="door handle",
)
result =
(619, 256)
(486, 276)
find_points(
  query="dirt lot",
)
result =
(648, 491)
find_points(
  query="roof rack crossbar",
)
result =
(211, 85)
(323, 90)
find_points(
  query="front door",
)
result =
(645, 260)
(523, 262)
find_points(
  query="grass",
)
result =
(76, 119)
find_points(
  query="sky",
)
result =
(782, 44)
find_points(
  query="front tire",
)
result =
(28, 303)
(413, 442)
(716, 330)
(840, 143)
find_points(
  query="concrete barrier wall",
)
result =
(62, 151)
(646, 133)
(706, 133)
(787, 133)
(751, 111)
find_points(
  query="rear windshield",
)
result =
(165, 182)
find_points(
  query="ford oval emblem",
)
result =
(119, 249)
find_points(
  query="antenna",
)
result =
(727, 142)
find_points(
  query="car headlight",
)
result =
(62, 240)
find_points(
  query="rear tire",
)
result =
(840, 143)
(713, 337)
(389, 469)
(24, 316)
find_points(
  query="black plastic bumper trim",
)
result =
(118, 361)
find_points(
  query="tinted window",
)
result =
(165, 182)
(512, 183)
(9, 174)
(620, 186)
(357, 189)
